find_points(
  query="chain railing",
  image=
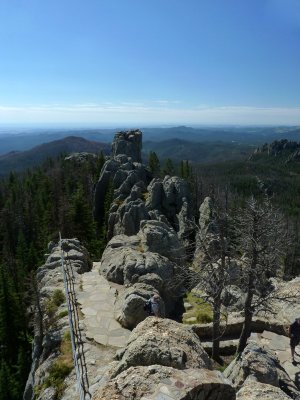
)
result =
(75, 331)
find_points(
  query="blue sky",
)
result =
(139, 62)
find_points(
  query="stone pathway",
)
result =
(96, 301)
(280, 345)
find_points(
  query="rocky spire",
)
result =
(128, 143)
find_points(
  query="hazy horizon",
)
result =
(150, 63)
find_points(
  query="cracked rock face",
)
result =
(164, 342)
(147, 262)
(259, 364)
(160, 382)
(128, 143)
(253, 390)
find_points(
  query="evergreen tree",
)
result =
(154, 164)
(168, 168)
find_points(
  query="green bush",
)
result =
(61, 368)
(62, 314)
(58, 297)
(201, 310)
(54, 302)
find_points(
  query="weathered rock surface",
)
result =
(136, 261)
(170, 199)
(158, 382)
(164, 342)
(126, 258)
(123, 176)
(262, 365)
(159, 237)
(254, 390)
(132, 303)
(207, 218)
(128, 143)
(288, 292)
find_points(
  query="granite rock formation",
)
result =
(164, 342)
(129, 143)
(260, 364)
(253, 390)
(158, 382)
(146, 263)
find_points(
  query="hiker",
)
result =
(155, 306)
(294, 334)
(152, 305)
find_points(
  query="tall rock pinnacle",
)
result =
(128, 143)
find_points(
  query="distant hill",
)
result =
(247, 135)
(276, 165)
(18, 161)
(197, 152)
(22, 139)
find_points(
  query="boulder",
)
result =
(160, 382)
(159, 237)
(261, 364)
(164, 342)
(125, 259)
(253, 390)
(132, 303)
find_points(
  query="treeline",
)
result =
(237, 181)
(59, 196)
(34, 207)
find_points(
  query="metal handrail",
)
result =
(75, 332)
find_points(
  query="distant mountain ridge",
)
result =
(25, 140)
(20, 160)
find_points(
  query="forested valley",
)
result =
(58, 197)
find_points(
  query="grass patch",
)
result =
(145, 196)
(200, 310)
(61, 368)
(51, 306)
(62, 314)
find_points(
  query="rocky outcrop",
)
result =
(81, 158)
(158, 382)
(119, 176)
(207, 218)
(51, 318)
(288, 150)
(253, 390)
(130, 304)
(285, 304)
(164, 342)
(136, 261)
(129, 143)
(262, 365)
(207, 239)
(170, 200)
